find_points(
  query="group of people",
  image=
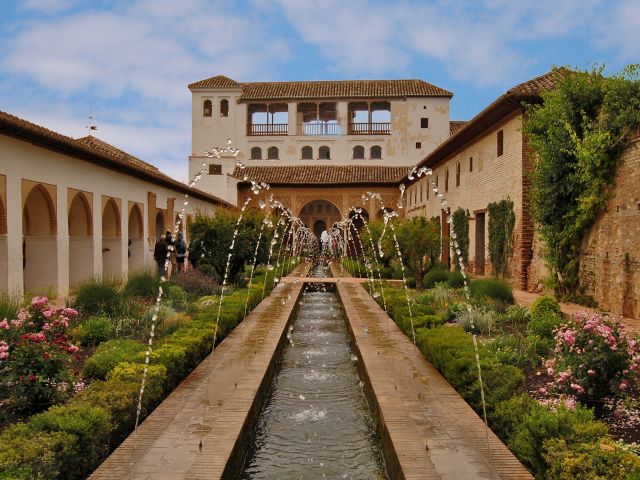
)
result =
(176, 252)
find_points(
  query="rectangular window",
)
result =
(418, 145)
(215, 169)
(458, 174)
(446, 180)
(500, 143)
(421, 193)
(471, 164)
(424, 122)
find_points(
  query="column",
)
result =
(343, 117)
(62, 241)
(15, 280)
(293, 118)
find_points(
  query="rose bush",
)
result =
(593, 358)
(36, 357)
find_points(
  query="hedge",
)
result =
(69, 441)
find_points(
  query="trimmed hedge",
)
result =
(68, 442)
(492, 288)
(433, 276)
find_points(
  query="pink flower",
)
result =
(46, 327)
(579, 390)
(23, 315)
(550, 371)
(542, 390)
(48, 312)
(73, 348)
(4, 350)
(17, 323)
(623, 385)
(591, 373)
(39, 302)
(4, 325)
(70, 312)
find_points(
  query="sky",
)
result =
(130, 61)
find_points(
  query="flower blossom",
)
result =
(4, 325)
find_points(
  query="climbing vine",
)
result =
(578, 132)
(502, 221)
(461, 228)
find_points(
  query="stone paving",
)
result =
(434, 434)
(167, 443)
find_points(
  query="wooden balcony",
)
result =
(370, 128)
(268, 129)
(319, 129)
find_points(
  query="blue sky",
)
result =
(130, 61)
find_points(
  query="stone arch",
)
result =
(224, 107)
(319, 209)
(358, 152)
(324, 153)
(376, 152)
(207, 108)
(135, 241)
(80, 222)
(307, 153)
(273, 153)
(160, 224)
(111, 239)
(40, 243)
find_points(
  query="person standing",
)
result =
(194, 253)
(181, 252)
(160, 254)
(172, 254)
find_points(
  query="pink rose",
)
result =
(591, 373)
(4, 325)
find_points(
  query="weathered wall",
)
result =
(610, 253)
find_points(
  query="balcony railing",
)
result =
(370, 128)
(319, 129)
(268, 129)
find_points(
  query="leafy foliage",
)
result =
(461, 228)
(419, 241)
(502, 221)
(578, 132)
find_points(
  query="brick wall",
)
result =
(493, 178)
(610, 253)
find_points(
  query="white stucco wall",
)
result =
(50, 267)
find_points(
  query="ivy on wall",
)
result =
(578, 132)
(502, 220)
(461, 228)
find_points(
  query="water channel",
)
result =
(316, 423)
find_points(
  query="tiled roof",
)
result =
(327, 89)
(494, 113)
(455, 125)
(322, 174)
(98, 152)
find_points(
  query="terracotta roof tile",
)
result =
(455, 125)
(98, 152)
(322, 174)
(252, 91)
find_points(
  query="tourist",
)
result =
(160, 254)
(181, 252)
(194, 253)
(172, 254)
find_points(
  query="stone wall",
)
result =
(610, 253)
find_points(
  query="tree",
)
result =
(461, 228)
(215, 235)
(578, 132)
(419, 241)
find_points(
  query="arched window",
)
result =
(324, 153)
(358, 152)
(207, 108)
(256, 153)
(376, 152)
(272, 153)
(307, 153)
(224, 108)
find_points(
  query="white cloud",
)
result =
(48, 6)
(620, 31)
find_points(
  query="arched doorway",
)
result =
(136, 241)
(40, 261)
(317, 211)
(80, 225)
(159, 224)
(111, 240)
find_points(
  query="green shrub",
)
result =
(451, 351)
(90, 428)
(155, 384)
(545, 317)
(176, 296)
(98, 296)
(511, 413)
(9, 306)
(455, 279)
(515, 319)
(428, 321)
(143, 283)
(590, 461)
(94, 330)
(543, 424)
(197, 282)
(29, 455)
(433, 276)
(492, 288)
(475, 320)
(109, 354)
(518, 350)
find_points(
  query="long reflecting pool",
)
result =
(316, 422)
